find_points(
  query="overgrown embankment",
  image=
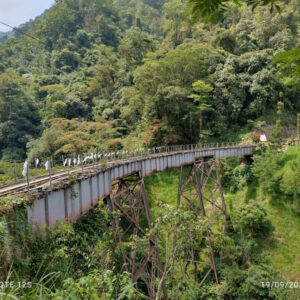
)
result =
(77, 261)
(277, 187)
(268, 187)
(274, 182)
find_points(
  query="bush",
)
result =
(249, 284)
(251, 219)
(98, 285)
(255, 285)
(236, 175)
(278, 175)
(264, 168)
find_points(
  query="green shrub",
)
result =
(235, 175)
(251, 219)
(264, 168)
(98, 285)
(240, 284)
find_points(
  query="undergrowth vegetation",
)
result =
(71, 261)
(265, 226)
(274, 185)
(278, 175)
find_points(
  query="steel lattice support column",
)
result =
(202, 193)
(140, 254)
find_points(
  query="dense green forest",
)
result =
(91, 75)
(139, 73)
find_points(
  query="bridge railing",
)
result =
(93, 159)
(166, 149)
(128, 154)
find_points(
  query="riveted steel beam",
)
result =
(203, 194)
(129, 197)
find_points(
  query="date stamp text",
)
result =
(280, 284)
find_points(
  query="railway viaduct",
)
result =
(72, 200)
(120, 183)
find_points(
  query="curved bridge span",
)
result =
(120, 183)
(71, 198)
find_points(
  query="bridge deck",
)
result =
(76, 193)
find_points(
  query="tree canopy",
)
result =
(214, 9)
(148, 73)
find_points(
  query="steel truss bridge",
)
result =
(120, 183)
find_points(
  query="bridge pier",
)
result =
(129, 197)
(202, 193)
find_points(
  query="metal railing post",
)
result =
(27, 177)
(50, 175)
(15, 171)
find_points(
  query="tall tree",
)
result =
(214, 9)
(289, 67)
(19, 116)
(202, 97)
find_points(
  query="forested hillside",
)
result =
(138, 73)
(90, 76)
